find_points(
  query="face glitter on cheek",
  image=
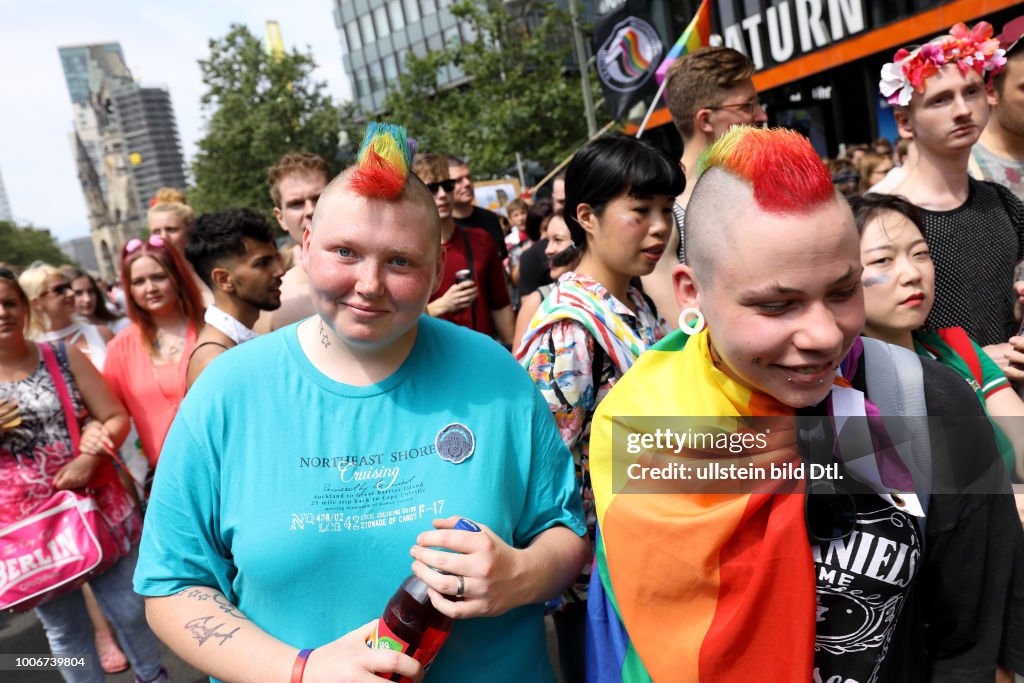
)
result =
(875, 280)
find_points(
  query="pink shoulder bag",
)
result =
(63, 542)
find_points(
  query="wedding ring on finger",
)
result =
(461, 590)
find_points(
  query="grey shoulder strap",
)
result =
(895, 383)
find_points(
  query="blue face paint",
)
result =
(876, 280)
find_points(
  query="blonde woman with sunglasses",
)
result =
(52, 301)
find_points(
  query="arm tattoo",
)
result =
(225, 606)
(202, 630)
(203, 594)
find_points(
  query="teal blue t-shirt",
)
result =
(299, 497)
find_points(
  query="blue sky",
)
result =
(161, 41)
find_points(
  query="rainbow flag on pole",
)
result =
(696, 35)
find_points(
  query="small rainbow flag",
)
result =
(696, 35)
(633, 62)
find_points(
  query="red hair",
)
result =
(189, 300)
(785, 172)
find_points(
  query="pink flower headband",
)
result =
(135, 243)
(973, 49)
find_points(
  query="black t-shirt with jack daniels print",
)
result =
(893, 607)
(862, 584)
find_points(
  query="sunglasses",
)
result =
(59, 290)
(8, 274)
(135, 244)
(448, 186)
(830, 511)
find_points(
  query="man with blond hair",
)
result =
(295, 181)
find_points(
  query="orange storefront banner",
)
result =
(892, 36)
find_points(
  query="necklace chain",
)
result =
(169, 344)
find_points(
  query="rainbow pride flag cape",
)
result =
(693, 587)
(696, 35)
(695, 582)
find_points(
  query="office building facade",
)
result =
(377, 34)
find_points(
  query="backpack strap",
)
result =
(50, 359)
(895, 384)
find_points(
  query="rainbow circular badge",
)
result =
(455, 443)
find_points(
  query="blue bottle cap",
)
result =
(466, 525)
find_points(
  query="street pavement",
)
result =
(22, 634)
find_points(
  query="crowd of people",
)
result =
(299, 425)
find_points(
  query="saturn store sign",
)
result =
(791, 28)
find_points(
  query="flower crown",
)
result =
(973, 49)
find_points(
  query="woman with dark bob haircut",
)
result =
(593, 326)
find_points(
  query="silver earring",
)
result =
(693, 327)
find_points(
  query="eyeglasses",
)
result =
(748, 107)
(830, 512)
(135, 244)
(8, 274)
(448, 186)
(59, 290)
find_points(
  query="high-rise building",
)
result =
(151, 141)
(5, 205)
(125, 144)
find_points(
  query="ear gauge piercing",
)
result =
(694, 326)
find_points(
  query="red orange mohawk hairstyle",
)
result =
(786, 174)
(382, 166)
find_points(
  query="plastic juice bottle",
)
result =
(411, 624)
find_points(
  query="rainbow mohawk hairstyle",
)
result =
(786, 174)
(382, 166)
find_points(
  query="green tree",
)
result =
(259, 107)
(23, 244)
(519, 96)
